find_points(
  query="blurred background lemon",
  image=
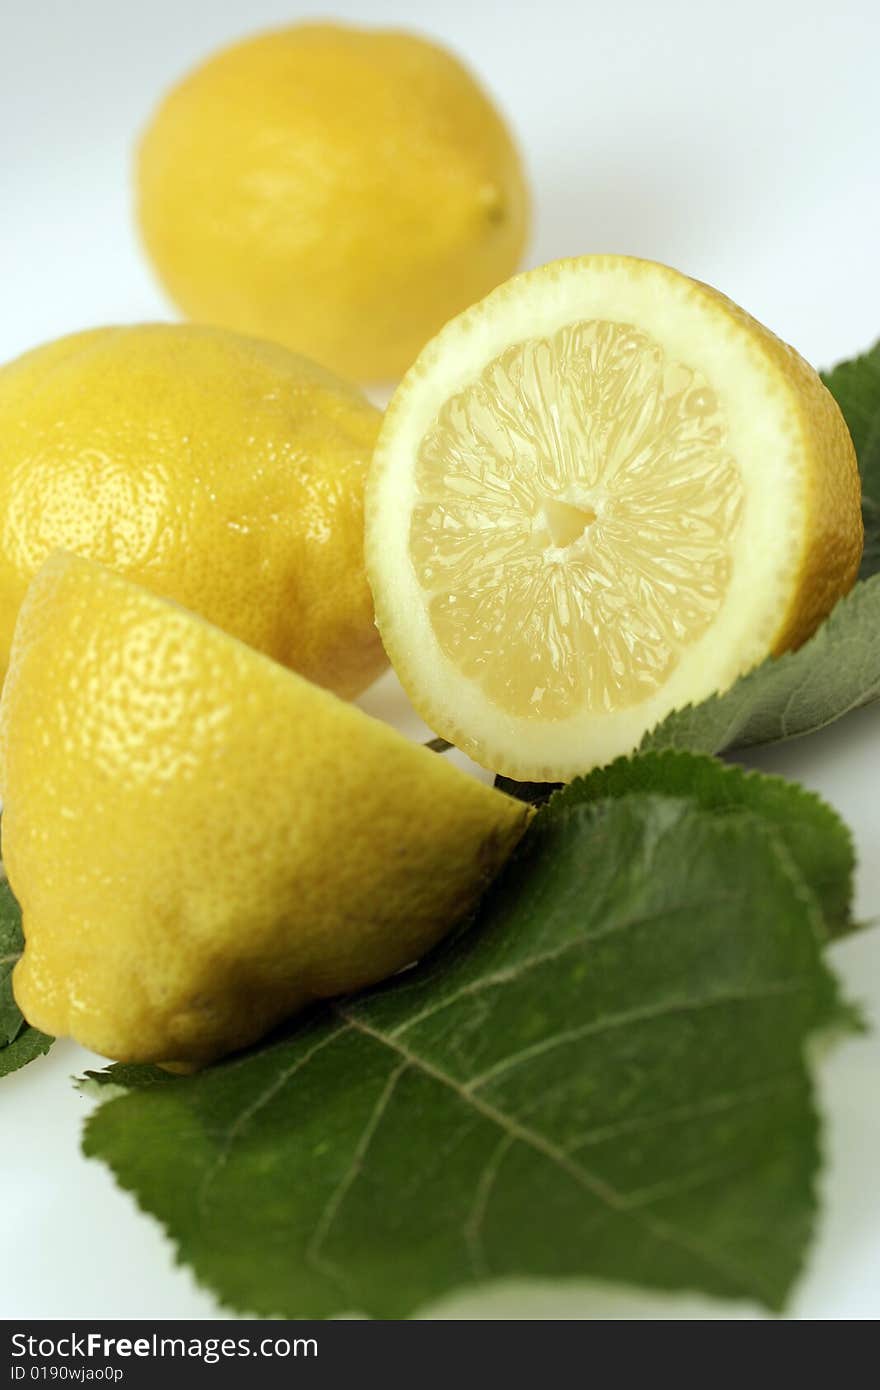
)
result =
(342, 190)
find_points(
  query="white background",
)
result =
(737, 142)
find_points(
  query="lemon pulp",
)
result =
(576, 510)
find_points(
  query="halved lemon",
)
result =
(202, 842)
(600, 494)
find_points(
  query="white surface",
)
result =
(736, 142)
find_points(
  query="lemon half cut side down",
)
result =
(600, 494)
(202, 841)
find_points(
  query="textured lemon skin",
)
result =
(201, 841)
(218, 470)
(829, 538)
(344, 191)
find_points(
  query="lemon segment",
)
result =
(201, 841)
(599, 495)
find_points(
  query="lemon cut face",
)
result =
(611, 506)
(600, 494)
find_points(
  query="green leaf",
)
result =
(604, 1077)
(19, 1044)
(855, 386)
(819, 842)
(836, 671)
(127, 1075)
(29, 1045)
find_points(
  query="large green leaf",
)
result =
(604, 1077)
(19, 1044)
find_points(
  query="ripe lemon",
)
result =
(201, 841)
(342, 190)
(601, 494)
(217, 470)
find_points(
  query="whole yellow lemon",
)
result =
(216, 470)
(344, 191)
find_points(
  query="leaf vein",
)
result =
(640, 1124)
(474, 1225)
(611, 1021)
(512, 973)
(720, 1263)
(257, 1104)
(337, 1196)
